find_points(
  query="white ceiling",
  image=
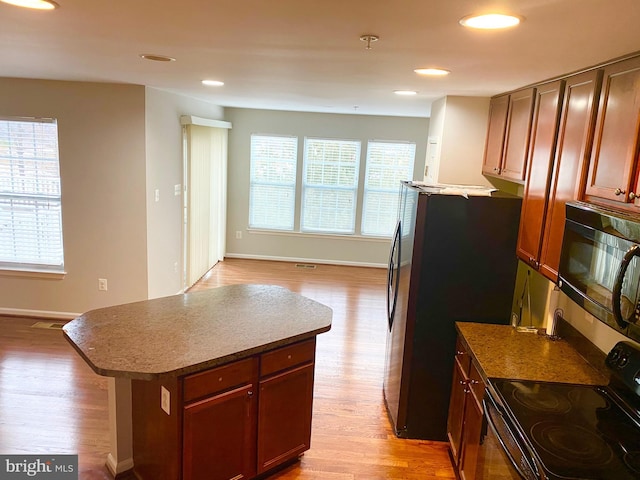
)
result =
(306, 54)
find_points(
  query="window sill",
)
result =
(290, 233)
(31, 273)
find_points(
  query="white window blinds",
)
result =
(30, 207)
(330, 185)
(273, 182)
(387, 164)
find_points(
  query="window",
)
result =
(330, 185)
(387, 164)
(30, 207)
(273, 182)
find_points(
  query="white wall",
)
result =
(102, 167)
(164, 163)
(334, 249)
(460, 125)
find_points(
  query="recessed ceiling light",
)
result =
(491, 21)
(212, 83)
(435, 72)
(35, 4)
(157, 58)
(405, 92)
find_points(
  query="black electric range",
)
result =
(568, 431)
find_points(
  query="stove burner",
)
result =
(632, 460)
(572, 444)
(541, 399)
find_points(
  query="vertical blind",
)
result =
(387, 164)
(30, 203)
(272, 191)
(330, 185)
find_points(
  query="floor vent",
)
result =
(49, 325)
(305, 265)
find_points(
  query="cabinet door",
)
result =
(219, 436)
(284, 416)
(494, 144)
(615, 147)
(456, 408)
(517, 135)
(473, 417)
(573, 148)
(541, 152)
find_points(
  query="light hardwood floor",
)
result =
(51, 401)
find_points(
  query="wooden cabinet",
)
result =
(575, 137)
(507, 141)
(613, 176)
(561, 139)
(284, 429)
(235, 421)
(219, 419)
(219, 434)
(465, 422)
(539, 166)
(457, 400)
(498, 109)
(285, 404)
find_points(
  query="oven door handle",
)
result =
(616, 295)
(494, 429)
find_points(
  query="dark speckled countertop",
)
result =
(502, 352)
(187, 333)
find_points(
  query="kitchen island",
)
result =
(221, 380)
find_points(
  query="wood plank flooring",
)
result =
(51, 401)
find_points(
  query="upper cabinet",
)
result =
(572, 152)
(507, 142)
(498, 109)
(548, 99)
(612, 177)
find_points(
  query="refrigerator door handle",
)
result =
(393, 273)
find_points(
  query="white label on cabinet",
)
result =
(165, 400)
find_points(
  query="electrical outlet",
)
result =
(165, 400)
(102, 284)
(175, 267)
(177, 189)
(157, 194)
(239, 234)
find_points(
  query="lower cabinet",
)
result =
(235, 421)
(465, 422)
(219, 435)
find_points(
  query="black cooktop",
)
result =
(576, 431)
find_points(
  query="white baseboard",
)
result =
(306, 260)
(118, 467)
(21, 312)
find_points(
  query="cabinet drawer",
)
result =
(219, 379)
(287, 357)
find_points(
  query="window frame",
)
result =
(289, 185)
(48, 190)
(306, 187)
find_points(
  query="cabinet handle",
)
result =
(464, 382)
(619, 191)
(632, 196)
(473, 382)
(458, 353)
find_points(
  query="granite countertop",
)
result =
(502, 352)
(187, 333)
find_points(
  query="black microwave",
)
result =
(600, 265)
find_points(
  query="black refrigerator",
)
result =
(452, 260)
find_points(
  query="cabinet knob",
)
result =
(463, 382)
(458, 352)
(250, 393)
(619, 191)
(473, 382)
(632, 196)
